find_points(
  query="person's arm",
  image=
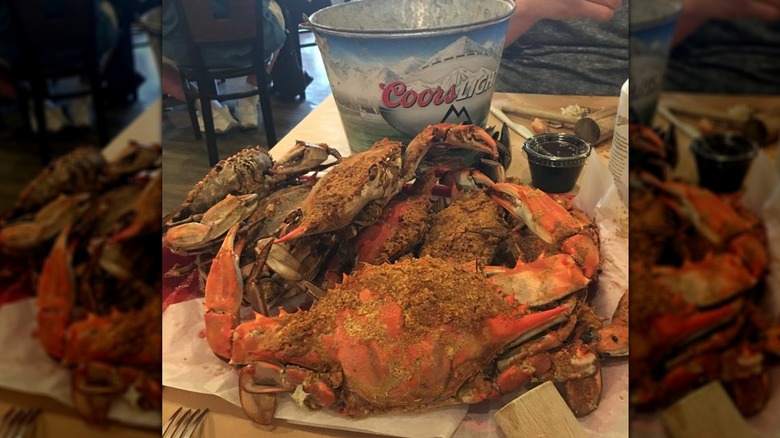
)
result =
(529, 12)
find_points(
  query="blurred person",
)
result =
(78, 109)
(175, 52)
(575, 47)
(726, 46)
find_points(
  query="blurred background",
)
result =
(130, 83)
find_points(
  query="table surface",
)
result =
(57, 417)
(323, 125)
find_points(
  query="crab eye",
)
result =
(373, 172)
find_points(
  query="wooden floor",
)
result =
(19, 159)
(184, 159)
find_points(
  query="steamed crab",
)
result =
(83, 226)
(414, 335)
(697, 282)
(361, 202)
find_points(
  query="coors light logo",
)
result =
(453, 85)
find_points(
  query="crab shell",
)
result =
(414, 335)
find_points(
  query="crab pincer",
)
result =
(224, 291)
(213, 223)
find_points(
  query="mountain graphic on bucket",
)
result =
(393, 77)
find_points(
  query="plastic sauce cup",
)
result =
(723, 160)
(556, 161)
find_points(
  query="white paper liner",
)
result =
(25, 366)
(189, 364)
(762, 197)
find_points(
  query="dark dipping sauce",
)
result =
(723, 161)
(556, 161)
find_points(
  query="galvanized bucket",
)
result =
(396, 66)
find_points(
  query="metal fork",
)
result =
(182, 424)
(18, 422)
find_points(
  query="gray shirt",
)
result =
(581, 57)
(730, 57)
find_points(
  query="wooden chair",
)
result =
(243, 25)
(293, 13)
(72, 28)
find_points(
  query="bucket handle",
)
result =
(305, 23)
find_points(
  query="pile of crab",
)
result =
(697, 272)
(81, 230)
(454, 289)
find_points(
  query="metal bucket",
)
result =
(396, 66)
(652, 24)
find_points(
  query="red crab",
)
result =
(414, 335)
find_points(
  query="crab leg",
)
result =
(673, 330)
(56, 294)
(224, 291)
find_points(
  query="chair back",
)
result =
(67, 23)
(233, 21)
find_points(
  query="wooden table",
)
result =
(58, 419)
(323, 125)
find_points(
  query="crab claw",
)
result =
(446, 136)
(710, 214)
(708, 282)
(224, 291)
(214, 223)
(673, 330)
(540, 213)
(56, 293)
(48, 221)
(542, 281)
(305, 157)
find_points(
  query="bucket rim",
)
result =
(386, 33)
(664, 20)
